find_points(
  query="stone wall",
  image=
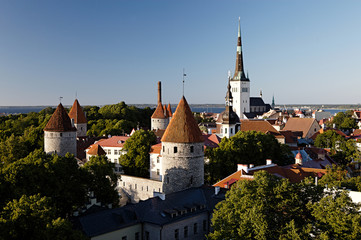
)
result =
(159, 123)
(81, 129)
(139, 188)
(182, 166)
(60, 142)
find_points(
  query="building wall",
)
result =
(81, 129)
(139, 188)
(315, 127)
(184, 168)
(155, 166)
(128, 232)
(113, 154)
(159, 123)
(168, 231)
(60, 142)
(241, 97)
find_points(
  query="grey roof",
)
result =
(153, 210)
(256, 101)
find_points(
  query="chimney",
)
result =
(268, 162)
(159, 92)
(243, 167)
(216, 190)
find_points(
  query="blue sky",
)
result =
(111, 51)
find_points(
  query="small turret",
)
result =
(159, 120)
(78, 117)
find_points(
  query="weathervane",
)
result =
(183, 80)
(60, 99)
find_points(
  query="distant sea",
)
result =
(26, 109)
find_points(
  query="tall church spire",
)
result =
(239, 71)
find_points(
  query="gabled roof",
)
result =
(256, 101)
(259, 126)
(211, 140)
(96, 150)
(300, 124)
(159, 112)
(76, 113)
(59, 121)
(115, 141)
(183, 128)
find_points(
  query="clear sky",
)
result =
(110, 51)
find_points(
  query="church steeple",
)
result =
(239, 71)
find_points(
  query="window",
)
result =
(185, 232)
(158, 159)
(231, 130)
(124, 238)
(244, 89)
(175, 149)
(158, 172)
(176, 234)
(136, 236)
(192, 149)
(225, 130)
(167, 179)
(115, 152)
(135, 186)
(147, 188)
(123, 184)
(147, 235)
(61, 134)
(204, 225)
(163, 149)
(195, 228)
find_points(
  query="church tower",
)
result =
(240, 84)
(159, 118)
(60, 134)
(77, 115)
(228, 123)
(182, 151)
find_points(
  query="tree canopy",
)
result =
(344, 120)
(136, 161)
(342, 151)
(249, 147)
(272, 208)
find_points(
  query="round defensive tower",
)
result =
(78, 117)
(182, 151)
(60, 134)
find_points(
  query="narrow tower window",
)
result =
(175, 149)
(192, 149)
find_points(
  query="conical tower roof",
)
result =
(96, 150)
(183, 128)
(166, 114)
(239, 70)
(76, 113)
(60, 121)
(159, 112)
(169, 109)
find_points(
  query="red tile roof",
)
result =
(159, 112)
(76, 113)
(211, 140)
(115, 141)
(156, 148)
(183, 128)
(299, 124)
(96, 150)
(59, 121)
(169, 109)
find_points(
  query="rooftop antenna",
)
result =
(60, 98)
(183, 80)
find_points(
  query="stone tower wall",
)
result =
(60, 142)
(81, 129)
(159, 123)
(183, 169)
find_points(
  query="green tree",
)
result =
(34, 217)
(265, 208)
(248, 147)
(344, 120)
(342, 151)
(136, 161)
(103, 180)
(272, 208)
